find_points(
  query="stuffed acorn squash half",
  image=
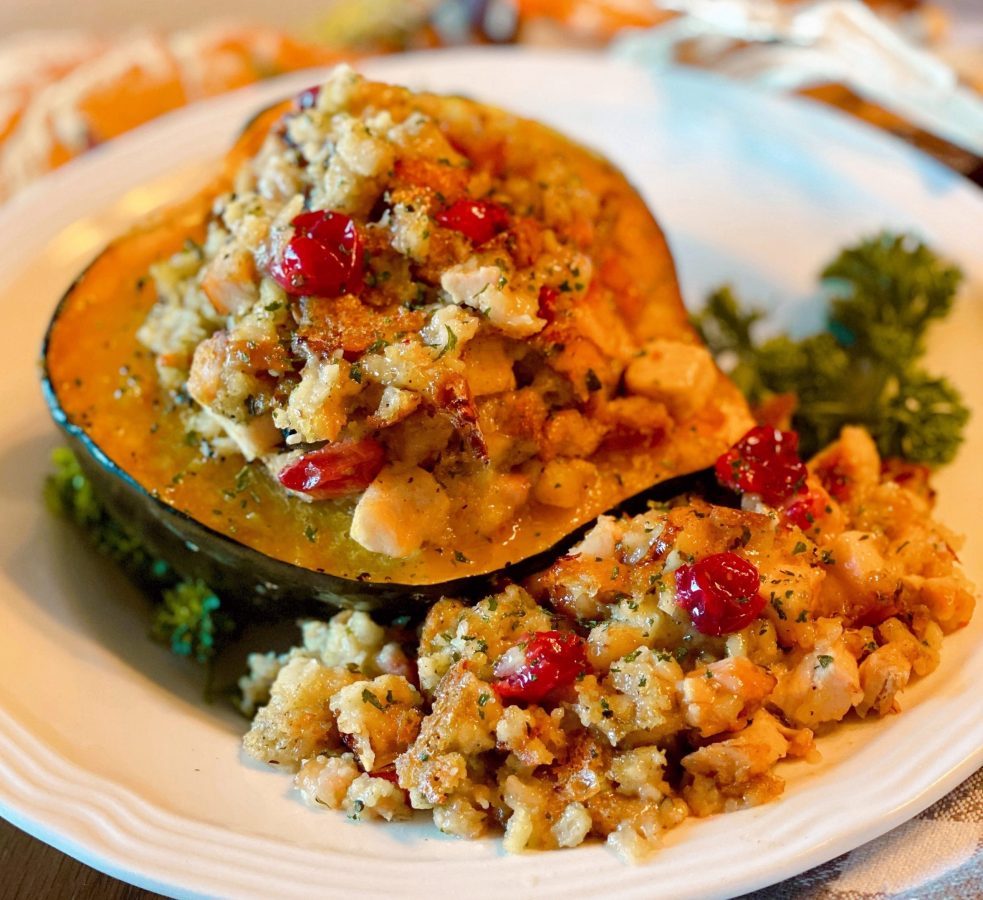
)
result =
(402, 343)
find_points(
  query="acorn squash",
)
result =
(231, 523)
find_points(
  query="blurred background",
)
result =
(74, 75)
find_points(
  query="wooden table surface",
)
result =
(30, 870)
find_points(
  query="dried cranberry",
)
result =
(477, 220)
(720, 592)
(765, 461)
(335, 470)
(323, 258)
(552, 660)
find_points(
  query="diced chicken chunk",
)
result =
(723, 695)
(486, 289)
(822, 687)
(254, 438)
(401, 509)
(680, 375)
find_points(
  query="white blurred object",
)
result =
(843, 41)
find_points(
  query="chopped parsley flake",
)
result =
(369, 697)
(450, 343)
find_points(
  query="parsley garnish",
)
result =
(865, 369)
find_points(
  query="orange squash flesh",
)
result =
(102, 388)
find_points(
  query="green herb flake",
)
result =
(369, 697)
(450, 343)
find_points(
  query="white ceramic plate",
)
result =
(106, 748)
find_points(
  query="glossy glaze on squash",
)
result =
(102, 388)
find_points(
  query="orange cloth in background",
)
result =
(69, 92)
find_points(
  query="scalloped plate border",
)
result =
(826, 810)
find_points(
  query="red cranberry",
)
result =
(720, 592)
(323, 258)
(477, 220)
(335, 470)
(553, 660)
(765, 461)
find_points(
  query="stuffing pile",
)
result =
(659, 670)
(422, 304)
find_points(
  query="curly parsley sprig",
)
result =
(864, 370)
